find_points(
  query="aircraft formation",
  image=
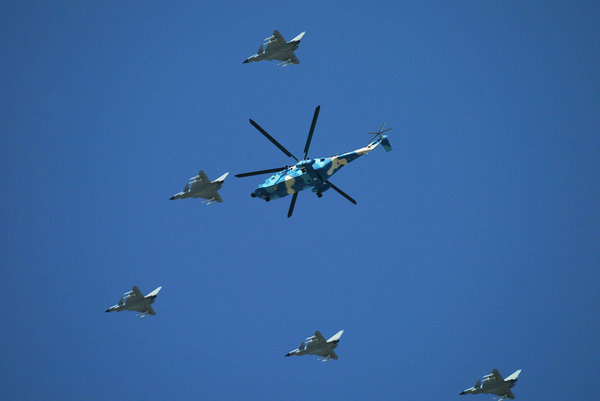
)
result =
(286, 180)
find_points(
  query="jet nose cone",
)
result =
(288, 354)
(172, 198)
(108, 310)
(245, 61)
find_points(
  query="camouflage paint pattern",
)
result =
(312, 172)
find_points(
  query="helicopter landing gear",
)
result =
(319, 194)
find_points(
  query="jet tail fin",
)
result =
(154, 293)
(298, 38)
(221, 178)
(513, 376)
(261, 49)
(336, 336)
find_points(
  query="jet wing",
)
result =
(211, 197)
(294, 59)
(327, 354)
(217, 197)
(140, 307)
(201, 178)
(287, 56)
(504, 392)
(144, 308)
(136, 293)
(497, 376)
(319, 337)
(276, 41)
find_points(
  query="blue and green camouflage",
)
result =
(312, 173)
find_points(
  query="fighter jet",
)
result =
(277, 49)
(202, 187)
(136, 301)
(495, 384)
(317, 345)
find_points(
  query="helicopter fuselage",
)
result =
(309, 173)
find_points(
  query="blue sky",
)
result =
(474, 244)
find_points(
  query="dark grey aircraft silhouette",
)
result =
(201, 187)
(495, 384)
(277, 49)
(134, 300)
(318, 345)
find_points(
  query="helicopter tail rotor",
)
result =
(379, 138)
(381, 130)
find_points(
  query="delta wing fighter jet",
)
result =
(317, 345)
(277, 49)
(495, 384)
(201, 187)
(134, 300)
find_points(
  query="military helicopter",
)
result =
(306, 173)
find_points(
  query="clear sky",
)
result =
(474, 244)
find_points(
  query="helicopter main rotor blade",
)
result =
(270, 138)
(271, 170)
(310, 132)
(292, 204)
(345, 195)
